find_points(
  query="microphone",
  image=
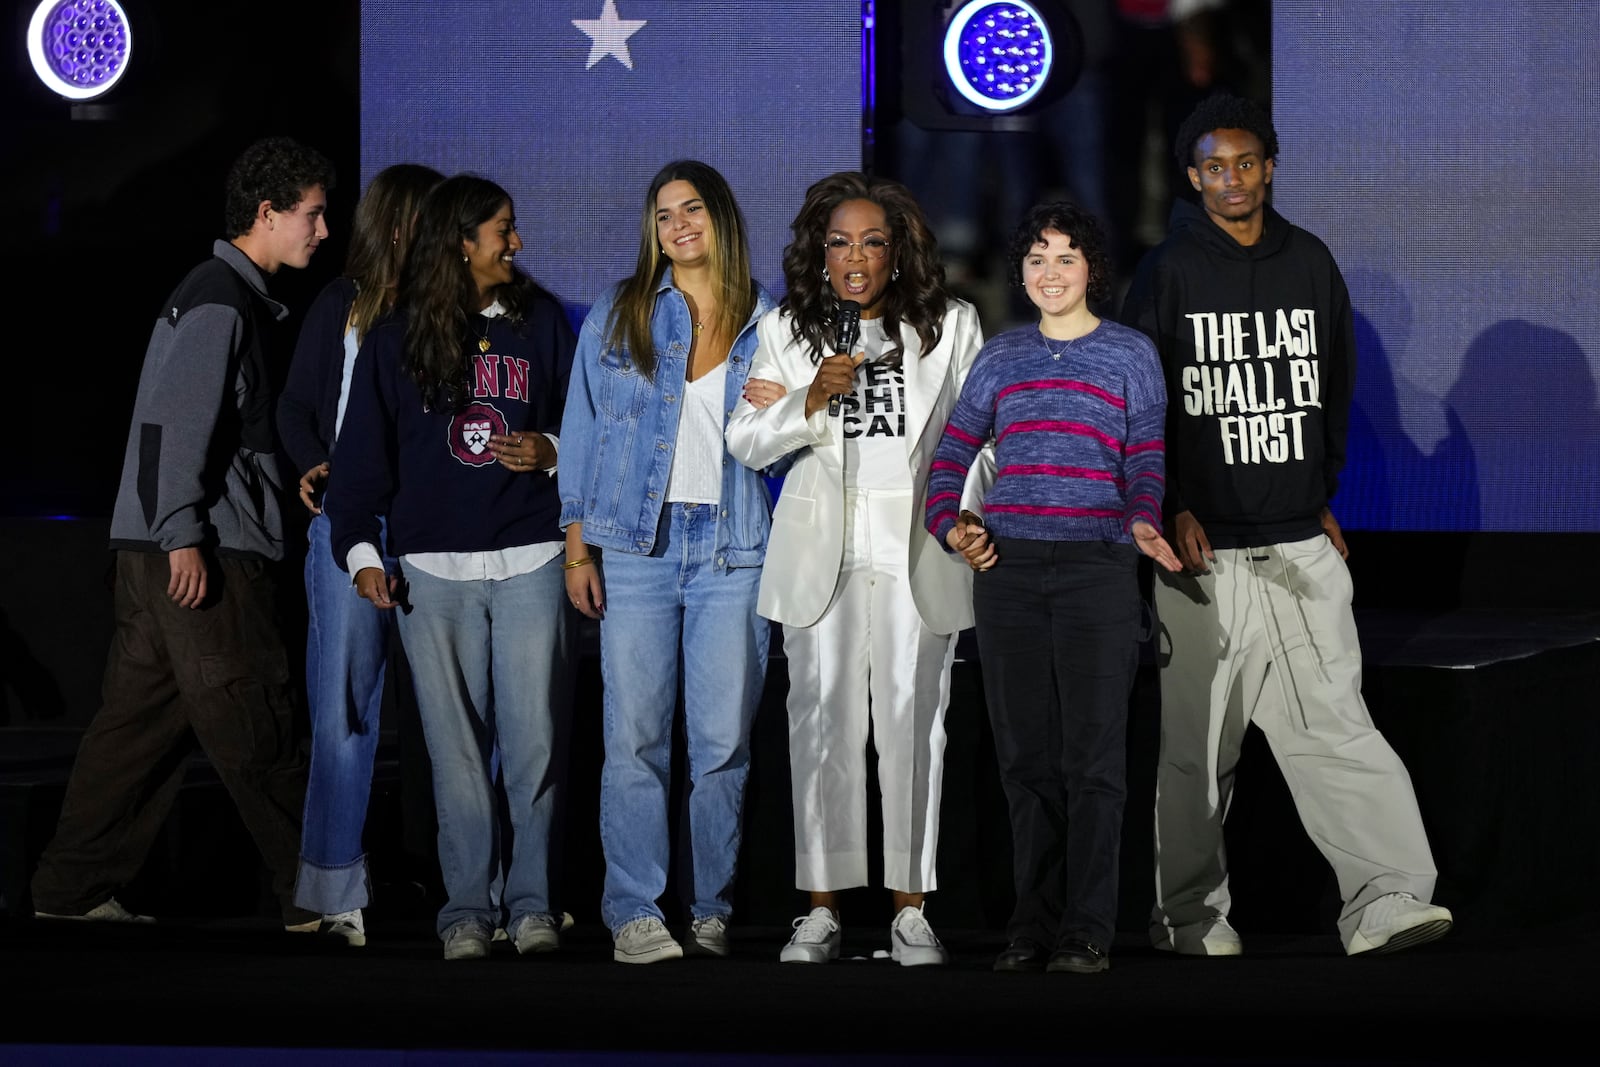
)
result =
(846, 329)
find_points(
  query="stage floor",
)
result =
(208, 991)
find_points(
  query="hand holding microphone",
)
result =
(846, 331)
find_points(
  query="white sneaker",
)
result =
(108, 912)
(1208, 937)
(1398, 920)
(913, 942)
(537, 933)
(645, 940)
(347, 925)
(467, 940)
(815, 940)
(708, 936)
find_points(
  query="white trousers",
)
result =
(869, 659)
(1269, 637)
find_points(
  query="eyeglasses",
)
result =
(872, 247)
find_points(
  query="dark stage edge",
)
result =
(227, 991)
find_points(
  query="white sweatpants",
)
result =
(1269, 637)
(868, 659)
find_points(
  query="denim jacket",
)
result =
(620, 430)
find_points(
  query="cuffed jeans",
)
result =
(492, 663)
(676, 605)
(217, 675)
(1057, 627)
(347, 642)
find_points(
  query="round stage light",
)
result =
(998, 53)
(80, 48)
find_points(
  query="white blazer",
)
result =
(806, 547)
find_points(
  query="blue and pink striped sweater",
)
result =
(1078, 440)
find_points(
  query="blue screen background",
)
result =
(768, 92)
(1447, 153)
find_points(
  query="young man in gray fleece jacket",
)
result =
(197, 649)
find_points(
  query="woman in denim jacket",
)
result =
(665, 540)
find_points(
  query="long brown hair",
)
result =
(916, 297)
(379, 237)
(438, 292)
(629, 324)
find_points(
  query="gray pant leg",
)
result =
(1205, 708)
(1353, 794)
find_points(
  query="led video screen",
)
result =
(573, 105)
(1447, 153)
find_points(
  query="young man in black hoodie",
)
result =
(1254, 327)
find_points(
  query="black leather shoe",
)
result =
(1021, 955)
(1079, 957)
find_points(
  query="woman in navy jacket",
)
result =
(347, 643)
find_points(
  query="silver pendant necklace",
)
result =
(1055, 354)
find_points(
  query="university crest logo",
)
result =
(470, 431)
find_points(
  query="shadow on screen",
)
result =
(1410, 460)
(1526, 396)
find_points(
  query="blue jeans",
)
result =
(676, 602)
(346, 650)
(492, 664)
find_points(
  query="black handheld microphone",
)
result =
(846, 329)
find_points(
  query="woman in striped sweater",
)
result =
(1075, 406)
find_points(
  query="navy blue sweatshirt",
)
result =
(309, 406)
(431, 472)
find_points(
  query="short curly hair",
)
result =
(1223, 111)
(1080, 227)
(276, 169)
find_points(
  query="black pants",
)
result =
(217, 675)
(1057, 627)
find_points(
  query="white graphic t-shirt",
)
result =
(874, 417)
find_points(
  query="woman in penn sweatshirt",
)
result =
(450, 433)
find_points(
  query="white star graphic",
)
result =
(609, 35)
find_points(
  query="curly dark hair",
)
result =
(439, 295)
(278, 170)
(1082, 228)
(635, 303)
(917, 297)
(1224, 111)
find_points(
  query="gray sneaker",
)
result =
(348, 926)
(467, 940)
(708, 936)
(815, 940)
(535, 934)
(1208, 937)
(645, 940)
(912, 941)
(1398, 920)
(109, 912)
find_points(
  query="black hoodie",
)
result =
(1258, 346)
